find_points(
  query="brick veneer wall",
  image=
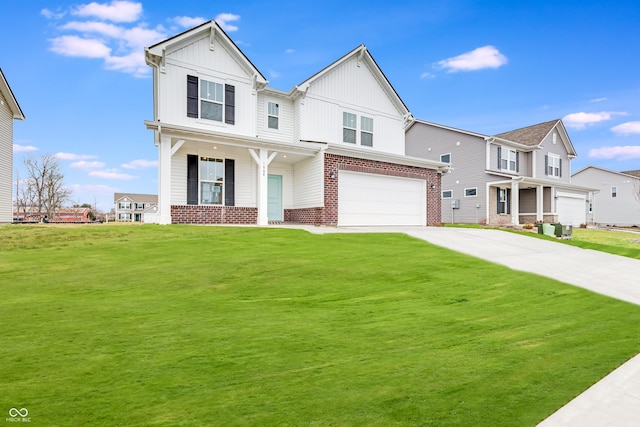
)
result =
(327, 215)
(334, 163)
(204, 214)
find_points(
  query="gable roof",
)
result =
(635, 173)
(533, 135)
(136, 198)
(424, 122)
(631, 174)
(155, 54)
(7, 93)
(363, 55)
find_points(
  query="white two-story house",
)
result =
(516, 177)
(233, 150)
(9, 111)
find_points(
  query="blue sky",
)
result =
(77, 69)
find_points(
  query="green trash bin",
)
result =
(557, 230)
(540, 231)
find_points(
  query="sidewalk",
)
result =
(615, 400)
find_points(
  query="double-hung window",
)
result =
(614, 191)
(553, 166)
(124, 205)
(349, 127)
(273, 115)
(353, 134)
(211, 97)
(366, 131)
(508, 159)
(211, 181)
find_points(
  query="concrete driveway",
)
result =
(615, 400)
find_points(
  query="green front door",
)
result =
(274, 198)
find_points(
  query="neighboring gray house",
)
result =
(517, 177)
(618, 201)
(131, 207)
(9, 111)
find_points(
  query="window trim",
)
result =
(345, 126)
(508, 151)
(614, 191)
(367, 132)
(475, 189)
(358, 130)
(276, 115)
(219, 181)
(446, 197)
(551, 166)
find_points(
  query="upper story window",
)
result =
(553, 165)
(273, 115)
(350, 129)
(446, 158)
(508, 159)
(124, 205)
(211, 180)
(139, 206)
(366, 131)
(614, 191)
(210, 100)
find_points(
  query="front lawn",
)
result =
(243, 326)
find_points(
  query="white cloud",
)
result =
(626, 152)
(477, 59)
(116, 11)
(103, 28)
(187, 21)
(140, 164)
(581, 120)
(593, 101)
(629, 128)
(84, 165)
(72, 156)
(274, 74)
(427, 76)
(132, 63)
(289, 51)
(223, 20)
(77, 46)
(49, 14)
(111, 174)
(17, 148)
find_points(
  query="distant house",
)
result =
(232, 150)
(71, 215)
(517, 177)
(130, 207)
(9, 111)
(618, 201)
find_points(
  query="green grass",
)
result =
(179, 325)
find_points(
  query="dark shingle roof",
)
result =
(530, 135)
(632, 173)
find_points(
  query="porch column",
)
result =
(515, 202)
(539, 203)
(164, 180)
(262, 159)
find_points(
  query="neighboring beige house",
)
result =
(516, 177)
(330, 151)
(618, 200)
(132, 207)
(9, 111)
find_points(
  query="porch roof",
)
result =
(526, 181)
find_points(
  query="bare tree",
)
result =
(46, 183)
(24, 196)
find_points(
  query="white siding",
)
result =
(196, 59)
(6, 161)
(286, 171)
(309, 183)
(285, 119)
(354, 89)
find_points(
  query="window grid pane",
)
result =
(366, 124)
(366, 139)
(349, 120)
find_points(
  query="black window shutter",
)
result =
(517, 161)
(192, 179)
(499, 204)
(229, 182)
(230, 104)
(192, 96)
(560, 166)
(499, 157)
(546, 164)
(508, 201)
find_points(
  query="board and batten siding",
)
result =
(286, 171)
(6, 161)
(308, 177)
(285, 119)
(350, 88)
(195, 58)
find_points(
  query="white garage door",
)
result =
(368, 199)
(571, 209)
